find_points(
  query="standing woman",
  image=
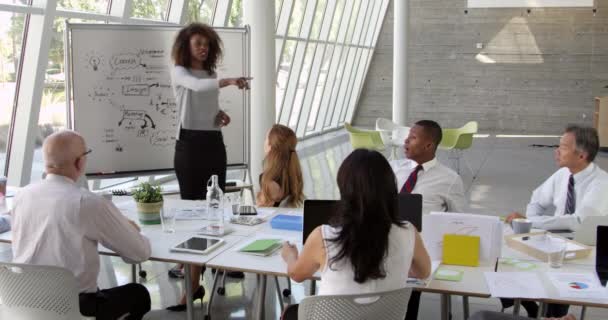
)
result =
(200, 151)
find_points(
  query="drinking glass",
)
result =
(232, 202)
(167, 218)
(556, 247)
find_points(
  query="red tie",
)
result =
(410, 183)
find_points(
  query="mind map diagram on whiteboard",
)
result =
(135, 88)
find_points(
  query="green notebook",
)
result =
(448, 274)
(262, 247)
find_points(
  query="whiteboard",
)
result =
(123, 103)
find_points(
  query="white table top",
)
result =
(232, 259)
(473, 282)
(543, 268)
(227, 256)
(161, 242)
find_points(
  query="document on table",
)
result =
(578, 285)
(515, 285)
(488, 229)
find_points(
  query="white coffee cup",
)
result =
(521, 225)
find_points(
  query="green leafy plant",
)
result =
(147, 193)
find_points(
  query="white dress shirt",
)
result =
(441, 188)
(548, 203)
(57, 223)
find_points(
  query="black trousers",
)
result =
(114, 303)
(198, 156)
(291, 312)
(413, 305)
(553, 309)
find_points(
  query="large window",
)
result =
(11, 39)
(322, 57)
(150, 9)
(200, 11)
(98, 6)
(323, 50)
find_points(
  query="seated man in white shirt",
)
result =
(57, 223)
(576, 191)
(441, 188)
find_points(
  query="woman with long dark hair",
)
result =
(199, 149)
(367, 248)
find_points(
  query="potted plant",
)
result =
(149, 201)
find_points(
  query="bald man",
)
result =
(57, 223)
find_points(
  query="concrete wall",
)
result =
(549, 64)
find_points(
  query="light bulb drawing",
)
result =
(94, 62)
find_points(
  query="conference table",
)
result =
(227, 257)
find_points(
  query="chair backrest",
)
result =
(367, 139)
(37, 292)
(385, 124)
(385, 127)
(469, 127)
(465, 138)
(389, 305)
(461, 138)
(390, 131)
(400, 133)
(449, 138)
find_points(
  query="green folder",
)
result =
(448, 274)
(262, 246)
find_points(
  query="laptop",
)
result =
(586, 232)
(601, 254)
(316, 213)
(410, 209)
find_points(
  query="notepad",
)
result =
(448, 274)
(262, 247)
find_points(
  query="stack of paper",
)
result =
(515, 285)
(487, 228)
(262, 247)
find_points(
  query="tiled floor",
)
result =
(507, 169)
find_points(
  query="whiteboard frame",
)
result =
(70, 78)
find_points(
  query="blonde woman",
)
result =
(281, 181)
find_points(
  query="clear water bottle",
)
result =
(215, 208)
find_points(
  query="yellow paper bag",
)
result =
(461, 250)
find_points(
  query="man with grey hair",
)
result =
(57, 223)
(577, 190)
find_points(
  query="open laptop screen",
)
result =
(316, 213)
(410, 209)
(601, 254)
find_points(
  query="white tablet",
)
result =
(200, 245)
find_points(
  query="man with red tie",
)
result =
(441, 188)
